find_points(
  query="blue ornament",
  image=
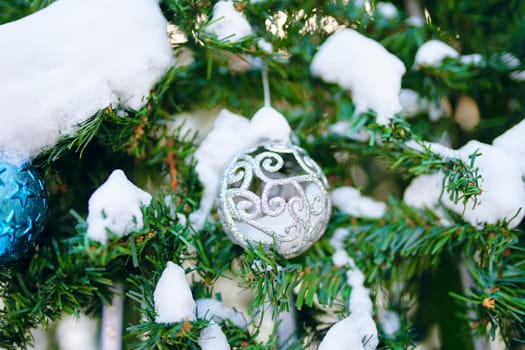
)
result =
(23, 209)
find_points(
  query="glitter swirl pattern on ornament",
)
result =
(274, 194)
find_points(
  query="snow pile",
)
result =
(227, 23)
(351, 202)
(474, 59)
(512, 62)
(415, 21)
(513, 143)
(389, 321)
(214, 310)
(213, 338)
(433, 52)
(62, 64)
(231, 134)
(365, 67)
(503, 192)
(357, 331)
(412, 103)
(386, 9)
(172, 297)
(115, 206)
(424, 192)
(79, 333)
(230, 25)
(337, 242)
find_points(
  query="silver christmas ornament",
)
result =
(274, 194)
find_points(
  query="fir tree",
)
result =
(444, 266)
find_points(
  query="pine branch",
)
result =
(54, 281)
(461, 180)
(274, 281)
(407, 242)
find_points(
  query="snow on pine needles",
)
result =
(172, 296)
(43, 97)
(502, 196)
(115, 206)
(358, 330)
(227, 23)
(365, 67)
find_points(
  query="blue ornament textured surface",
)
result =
(23, 209)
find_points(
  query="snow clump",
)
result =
(386, 9)
(389, 321)
(357, 331)
(474, 59)
(62, 64)
(512, 142)
(350, 201)
(433, 52)
(365, 67)
(172, 296)
(115, 206)
(412, 103)
(213, 338)
(227, 23)
(214, 310)
(502, 195)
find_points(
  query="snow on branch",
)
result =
(64, 63)
(173, 299)
(365, 67)
(115, 207)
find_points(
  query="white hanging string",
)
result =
(266, 85)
